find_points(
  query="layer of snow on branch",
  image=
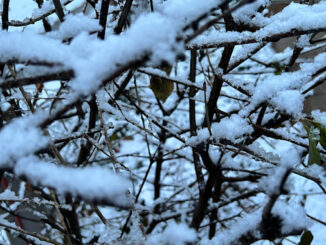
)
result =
(289, 101)
(174, 234)
(228, 128)
(231, 128)
(20, 138)
(74, 25)
(293, 17)
(236, 230)
(271, 184)
(154, 34)
(46, 7)
(39, 48)
(287, 213)
(187, 10)
(281, 90)
(289, 158)
(319, 117)
(8, 195)
(246, 13)
(92, 183)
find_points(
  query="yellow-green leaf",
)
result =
(162, 88)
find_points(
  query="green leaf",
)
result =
(242, 68)
(114, 137)
(322, 133)
(323, 138)
(139, 164)
(314, 154)
(306, 238)
(279, 68)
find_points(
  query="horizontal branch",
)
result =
(249, 39)
(14, 83)
(273, 38)
(30, 21)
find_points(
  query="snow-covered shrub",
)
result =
(167, 122)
